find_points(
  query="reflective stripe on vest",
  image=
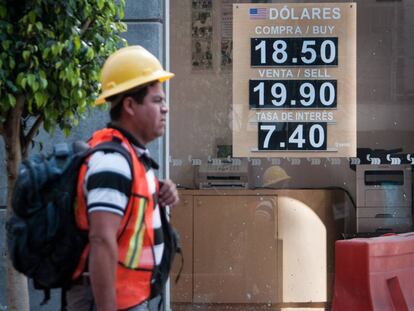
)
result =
(135, 243)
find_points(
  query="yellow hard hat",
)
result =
(128, 68)
(273, 175)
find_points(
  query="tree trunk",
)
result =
(17, 288)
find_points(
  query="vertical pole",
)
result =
(167, 292)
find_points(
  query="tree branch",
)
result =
(29, 137)
(12, 143)
(85, 26)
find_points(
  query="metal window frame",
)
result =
(166, 138)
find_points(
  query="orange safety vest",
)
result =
(136, 234)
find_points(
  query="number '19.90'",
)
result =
(282, 94)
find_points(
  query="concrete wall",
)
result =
(2, 260)
(145, 27)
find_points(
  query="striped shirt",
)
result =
(108, 184)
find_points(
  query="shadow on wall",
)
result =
(3, 298)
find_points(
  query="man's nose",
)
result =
(164, 107)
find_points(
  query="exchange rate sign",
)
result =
(294, 80)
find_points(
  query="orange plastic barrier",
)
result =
(375, 274)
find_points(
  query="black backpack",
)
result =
(43, 240)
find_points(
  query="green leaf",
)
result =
(45, 53)
(66, 131)
(73, 81)
(35, 86)
(3, 11)
(90, 54)
(121, 14)
(26, 55)
(39, 26)
(11, 99)
(62, 75)
(30, 105)
(43, 83)
(64, 91)
(55, 50)
(77, 42)
(40, 99)
(32, 17)
(21, 80)
(12, 63)
(31, 79)
(47, 125)
(60, 47)
(42, 75)
(6, 44)
(101, 4)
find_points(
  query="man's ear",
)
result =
(128, 103)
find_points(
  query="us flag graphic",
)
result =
(258, 13)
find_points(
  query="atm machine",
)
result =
(384, 198)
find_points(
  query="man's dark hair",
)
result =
(137, 94)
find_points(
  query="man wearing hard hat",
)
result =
(274, 176)
(119, 199)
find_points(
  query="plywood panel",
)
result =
(182, 219)
(235, 249)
